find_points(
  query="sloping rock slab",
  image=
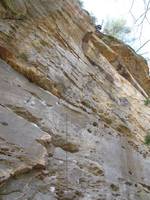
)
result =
(19, 149)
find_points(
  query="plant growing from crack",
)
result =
(147, 139)
(147, 101)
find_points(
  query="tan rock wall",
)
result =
(71, 126)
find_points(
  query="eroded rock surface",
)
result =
(71, 126)
(128, 60)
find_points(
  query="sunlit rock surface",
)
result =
(72, 125)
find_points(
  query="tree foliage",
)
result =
(80, 2)
(117, 28)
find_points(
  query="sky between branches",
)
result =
(130, 10)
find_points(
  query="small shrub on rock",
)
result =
(147, 139)
(147, 101)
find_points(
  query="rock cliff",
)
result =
(72, 113)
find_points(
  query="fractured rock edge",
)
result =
(28, 163)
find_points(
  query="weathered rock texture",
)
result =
(72, 113)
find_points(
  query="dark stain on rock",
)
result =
(106, 119)
(95, 124)
(124, 129)
(124, 101)
(5, 54)
(4, 123)
(24, 114)
(114, 187)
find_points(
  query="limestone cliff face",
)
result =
(72, 113)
